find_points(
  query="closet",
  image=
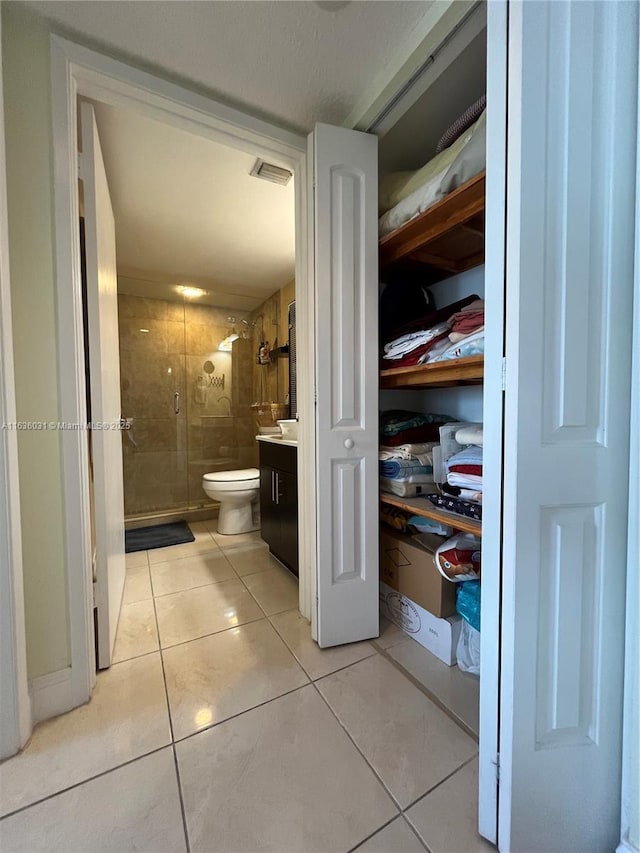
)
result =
(440, 251)
(555, 212)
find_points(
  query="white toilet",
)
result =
(238, 493)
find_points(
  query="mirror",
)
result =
(208, 367)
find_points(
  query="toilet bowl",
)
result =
(237, 492)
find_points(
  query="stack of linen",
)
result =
(464, 473)
(399, 427)
(463, 488)
(466, 335)
(452, 332)
(406, 470)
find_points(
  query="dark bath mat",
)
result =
(158, 536)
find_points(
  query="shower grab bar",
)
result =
(176, 402)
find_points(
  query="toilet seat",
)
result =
(244, 479)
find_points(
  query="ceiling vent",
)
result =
(269, 172)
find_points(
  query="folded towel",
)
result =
(470, 434)
(464, 481)
(404, 490)
(471, 455)
(470, 345)
(395, 421)
(411, 341)
(394, 469)
(476, 470)
(456, 337)
(423, 452)
(425, 433)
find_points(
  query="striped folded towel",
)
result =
(394, 469)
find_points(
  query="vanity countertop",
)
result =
(277, 439)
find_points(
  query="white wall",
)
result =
(25, 61)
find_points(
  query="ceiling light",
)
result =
(144, 330)
(192, 292)
(269, 172)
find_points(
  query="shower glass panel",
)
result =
(152, 377)
(220, 431)
(186, 386)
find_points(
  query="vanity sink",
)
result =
(289, 429)
(278, 439)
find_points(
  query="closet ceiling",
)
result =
(293, 62)
(188, 212)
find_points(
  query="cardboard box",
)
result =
(439, 636)
(408, 567)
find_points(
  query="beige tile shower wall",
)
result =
(287, 295)
(152, 369)
(214, 429)
(209, 399)
(271, 381)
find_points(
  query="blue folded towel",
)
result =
(395, 469)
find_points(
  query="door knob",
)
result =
(348, 443)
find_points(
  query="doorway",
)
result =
(193, 349)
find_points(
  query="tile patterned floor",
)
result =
(223, 727)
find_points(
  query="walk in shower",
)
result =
(186, 386)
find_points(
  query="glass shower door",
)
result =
(218, 388)
(153, 383)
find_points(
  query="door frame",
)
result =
(80, 71)
(16, 702)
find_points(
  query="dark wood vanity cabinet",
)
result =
(279, 501)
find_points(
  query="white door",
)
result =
(104, 369)
(569, 240)
(345, 248)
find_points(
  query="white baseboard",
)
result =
(51, 695)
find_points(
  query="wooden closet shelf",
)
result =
(421, 506)
(449, 236)
(440, 374)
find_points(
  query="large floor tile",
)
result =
(200, 531)
(137, 585)
(199, 527)
(275, 590)
(390, 634)
(133, 808)
(126, 718)
(189, 572)
(137, 633)
(458, 691)
(136, 559)
(397, 837)
(447, 818)
(216, 677)
(175, 552)
(204, 610)
(409, 741)
(251, 559)
(230, 541)
(283, 777)
(296, 632)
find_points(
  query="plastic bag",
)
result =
(468, 602)
(458, 559)
(468, 650)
